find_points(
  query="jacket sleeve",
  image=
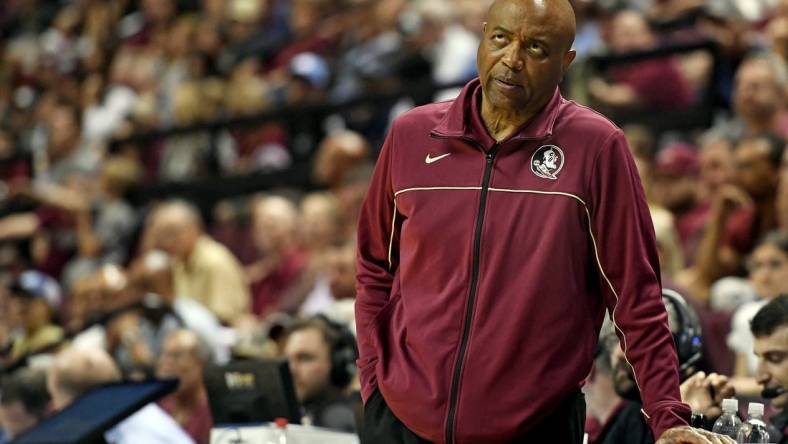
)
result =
(376, 262)
(628, 263)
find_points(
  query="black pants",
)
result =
(565, 426)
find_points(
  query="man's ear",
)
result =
(484, 27)
(569, 57)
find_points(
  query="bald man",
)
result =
(75, 371)
(203, 269)
(498, 229)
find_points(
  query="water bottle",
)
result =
(729, 423)
(754, 430)
(279, 434)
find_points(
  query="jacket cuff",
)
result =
(666, 415)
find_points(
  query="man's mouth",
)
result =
(507, 84)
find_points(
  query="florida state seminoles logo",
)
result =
(547, 162)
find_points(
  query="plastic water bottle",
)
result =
(754, 430)
(279, 434)
(729, 423)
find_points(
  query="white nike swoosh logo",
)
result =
(430, 160)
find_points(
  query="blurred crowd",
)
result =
(163, 286)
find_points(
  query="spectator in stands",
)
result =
(768, 269)
(24, 401)
(651, 84)
(759, 99)
(744, 212)
(321, 354)
(339, 153)
(770, 329)
(184, 355)
(106, 223)
(282, 262)
(75, 371)
(777, 34)
(151, 275)
(36, 298)
(203, 268)
(624, 423)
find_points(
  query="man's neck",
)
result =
(188, 400)
(501, 124)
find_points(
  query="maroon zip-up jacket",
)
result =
(484, 271)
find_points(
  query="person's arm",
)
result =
(229, 292)
(19, 226)
(714, 258)
(626, 252)
(377, 261)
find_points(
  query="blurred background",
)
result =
(200, 164)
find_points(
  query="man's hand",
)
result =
(688, 435)
(697, 392)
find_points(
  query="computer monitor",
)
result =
(251, 391)
(87, 419)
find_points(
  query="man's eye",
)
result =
(536, 48)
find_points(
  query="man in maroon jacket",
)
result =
(497, 230)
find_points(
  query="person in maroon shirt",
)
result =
(282, 262)
(183, 356)
(497, 230)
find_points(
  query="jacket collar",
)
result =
(463, 119)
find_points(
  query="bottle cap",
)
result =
(730, 405)
(755, 409)
(281, 422)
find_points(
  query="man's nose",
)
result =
(513, 58)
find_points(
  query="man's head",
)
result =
(274, 220)
(64, 130)
(758, 161)
(631, 32)
(312, 346)
(525, 51)
(716, 163)
(24, 401)
(320, 220)
(36, 299)
(184, 355)
(339, 153)
(759, 90)
(341, 271)
(685, 329)
(675, 179)
(176, 227)
(75, 371)
(770, 328)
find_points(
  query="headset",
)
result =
(687, 334)
(343, 353)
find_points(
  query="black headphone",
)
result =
(687, 334)
(343, 353)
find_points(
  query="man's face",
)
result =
(523, 54)
(754, 171)
(15, 419)
(310, 364)
(768, 267)
(757, 94)
(623, 380)
(179, 359)
(772, 354)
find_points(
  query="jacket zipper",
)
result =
(454, 394)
